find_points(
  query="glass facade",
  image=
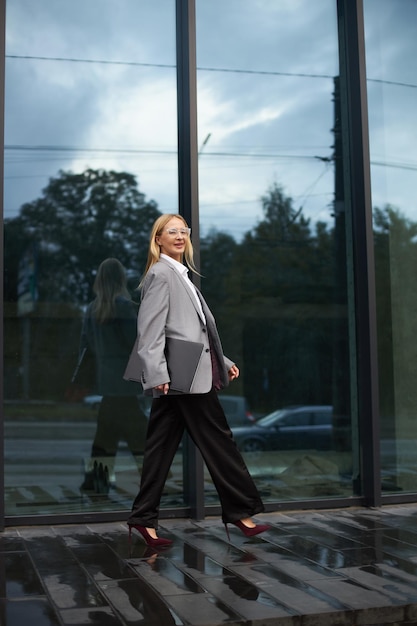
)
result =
(96, 124)
(392, 96)
(90, 160)
(273, 250)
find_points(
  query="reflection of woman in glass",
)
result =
(109, 331)
(171, 307)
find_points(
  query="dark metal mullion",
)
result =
(187, 119)
(188, 200)
(358, 192)
(2, 98)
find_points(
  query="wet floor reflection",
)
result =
(63, 575)
(210, 543)
(375, 534)
(403, 535)
(86, 574)
(165, 568)
(11, 543)
(366, 523)
(204, 567)
(294, 583)
(37, 612)
(345, 531)
(326, 538)
(139, 603)
(329, 557)
(394, 581)
(101, 562)
(21, 577)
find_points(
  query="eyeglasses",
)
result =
(173, 232)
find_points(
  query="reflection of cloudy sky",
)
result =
(120, 116)
(274, 114)
(265, 97)
(392, 99)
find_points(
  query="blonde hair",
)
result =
(154, 251)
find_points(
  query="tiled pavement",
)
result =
(328, 568)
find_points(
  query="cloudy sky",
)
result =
(92, 83)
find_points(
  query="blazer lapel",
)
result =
(187, 289)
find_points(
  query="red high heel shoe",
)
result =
(247, 530)
(159, 542)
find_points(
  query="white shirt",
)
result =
(180, 267)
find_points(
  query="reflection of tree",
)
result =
(279, 303)
(219, 274)
(274, 295)
(218, 252)
(280, 257)
(395, 241)
(80, 220)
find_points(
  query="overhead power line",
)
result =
(92, 61)
(247, 155)
(161, 65)
(46, 148)
(199, 68)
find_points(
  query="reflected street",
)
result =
(44, 463)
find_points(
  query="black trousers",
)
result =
(203, 417)
(120, 418)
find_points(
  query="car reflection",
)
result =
(236, 408)
(291, 428)
(94, 401)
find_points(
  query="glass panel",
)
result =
(391, 49)
(273, 244)
(90, 134)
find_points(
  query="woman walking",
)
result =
(109, 331)
(172, 308)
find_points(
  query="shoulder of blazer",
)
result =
(163, 268)
(160, 271)
(167, 270)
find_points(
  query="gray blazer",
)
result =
(169, 309)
